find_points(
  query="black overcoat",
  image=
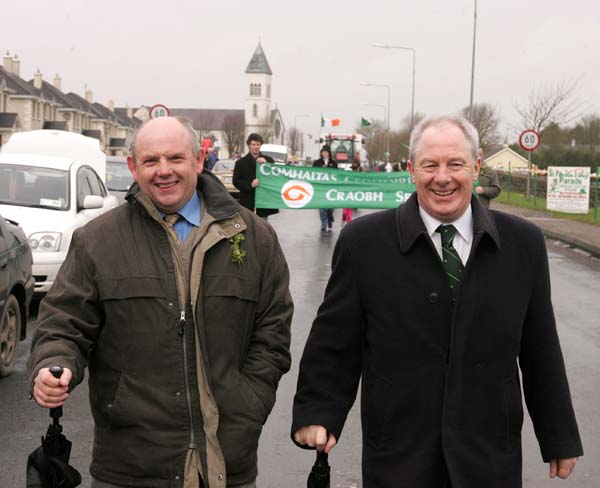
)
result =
(244, 172)
(440, 385)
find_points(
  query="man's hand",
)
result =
(562, 467)
(49, 391)
(254, 183)
(261, 160)
(479, 190)
(315, 436)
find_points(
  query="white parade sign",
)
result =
(568, 189)
(159, 110)
(529, 140)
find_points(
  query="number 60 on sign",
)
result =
(529, 140)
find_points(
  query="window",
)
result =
(254, 110)
(83, 186)
(268, 91)
(255, 89)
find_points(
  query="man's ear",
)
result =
(132, 167)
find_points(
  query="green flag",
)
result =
(365, 122)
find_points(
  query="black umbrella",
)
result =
(319, 475)
(48, 466)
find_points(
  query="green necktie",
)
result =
(450, 258)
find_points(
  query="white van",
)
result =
(51, 183)
(278, 152)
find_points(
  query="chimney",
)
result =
(129, 111)
(57, 82)
(16, 66)
(7, 62)
(37, 80)
(88, 96)
(111, 105)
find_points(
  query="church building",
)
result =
(229, 128)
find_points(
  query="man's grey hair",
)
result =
(187, 125)
(459, 121)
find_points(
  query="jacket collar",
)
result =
(219, 204)
(410, 226)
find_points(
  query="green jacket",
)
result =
(488, 180)
(165, 376)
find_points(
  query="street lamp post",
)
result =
(414, 56)
(473, 63)
(387, 135)
(296, 129)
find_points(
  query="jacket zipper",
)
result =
(192, 444)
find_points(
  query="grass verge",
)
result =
(520, 200)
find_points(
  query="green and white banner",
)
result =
(302, 187)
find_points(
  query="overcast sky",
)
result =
(193, 54)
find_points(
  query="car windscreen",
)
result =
(277, 157)
(224, 166)
(118, 176)
(34, 186)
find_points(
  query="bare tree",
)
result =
(550, 104)
(265, 128)
(485, 118)
(233, 130)
(374, 135)
(295, 138)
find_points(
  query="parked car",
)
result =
(51, 195)
(278, 152)
(118, 176)
(16, 290)
(223, 169)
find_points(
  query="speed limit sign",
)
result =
(529, 140)
(159, 110)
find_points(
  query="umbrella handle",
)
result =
(56, 412)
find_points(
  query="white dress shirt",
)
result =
(464, 235)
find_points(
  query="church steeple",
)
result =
(259, 64)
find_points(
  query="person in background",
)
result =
(178, 304)
(488, 186)
(325, 161)
(348, 213)
(211, 158)
(441, 374)
(244, 175)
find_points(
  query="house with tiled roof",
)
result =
(9, 121)
(37, 104)
(28, 102)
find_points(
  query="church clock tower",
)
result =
(257, 113)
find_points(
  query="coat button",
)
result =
(434, 297)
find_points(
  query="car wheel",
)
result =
(10, 334)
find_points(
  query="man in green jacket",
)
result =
(178, 304)
(488, 185)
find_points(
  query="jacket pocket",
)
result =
(231, 286)
(377, 411)
(513, 406)
(130, 287)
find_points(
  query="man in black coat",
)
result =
(244, 175)
(325, 161)
(440, 387)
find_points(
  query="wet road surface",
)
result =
(576, 296)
